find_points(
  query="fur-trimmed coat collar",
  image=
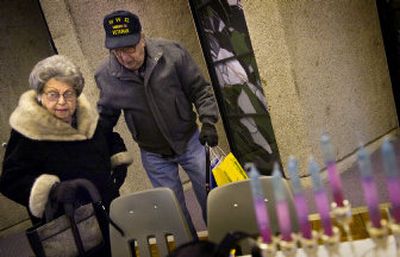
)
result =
(35, 122)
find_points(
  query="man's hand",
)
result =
(208, 134)
(118, 175)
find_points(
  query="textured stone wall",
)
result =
(323, 67)
(77, 30)
(25, 41)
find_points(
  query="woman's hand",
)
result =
(118, 175)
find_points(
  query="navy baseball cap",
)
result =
(122, 29)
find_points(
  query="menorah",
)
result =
(335, 216)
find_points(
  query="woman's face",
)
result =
(59, 98)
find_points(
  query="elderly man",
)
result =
(156, 83)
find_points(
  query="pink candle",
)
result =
(369, 187)
(321, 198)
(392, 178)
(333, 175)
(259, 205)
(299, 199)
(282, 207)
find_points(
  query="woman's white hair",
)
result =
(58, 67)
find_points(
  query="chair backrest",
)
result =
(147, 217)
(230, 208)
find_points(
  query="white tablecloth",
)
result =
(361, 248)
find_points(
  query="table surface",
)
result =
(361, 246)
(358, 248)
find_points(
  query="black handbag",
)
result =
(233, 240)
(78, 232)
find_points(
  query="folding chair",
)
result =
(230, 208)
(147, 218)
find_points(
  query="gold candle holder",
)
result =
(379, 236)
(267, 250)
(310, 245)
(343, 216)
(288, 248)
(331, 243)
(395, 228)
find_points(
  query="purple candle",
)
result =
(299, 199)
(259, 205)
(333, 175)
(282, 207)
(321, 198)
(369, 187)
(392, 178)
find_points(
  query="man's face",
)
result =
(131, 57)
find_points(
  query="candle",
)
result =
(299, 199)
(321, 198)
(392, 178)
(282, 204)
(333, 176)
(369, 187)
(259, 205)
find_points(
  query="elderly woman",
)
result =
(56, 138)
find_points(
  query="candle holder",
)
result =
(343, 216)
(395, 228)
(310, 245)
(288, 248)
(267, 250)
(379, 236)
(331, 243)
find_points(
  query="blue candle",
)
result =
(259, 205)
(299, 199)
(392, 178)
(333, 175)
(321, 198)
(294, 175)
(369, 187)
(282, 205)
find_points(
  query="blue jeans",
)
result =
(163, 172)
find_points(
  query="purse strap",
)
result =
(208, 168)
(52, 205)
(232, 240)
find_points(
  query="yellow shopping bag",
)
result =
(228, 170)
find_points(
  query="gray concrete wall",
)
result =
(324, 69)
(24, 42)
(321, 62)
(77, 30)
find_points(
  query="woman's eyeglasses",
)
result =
(53, 96)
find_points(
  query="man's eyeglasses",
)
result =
(125, 50)
(53, 96)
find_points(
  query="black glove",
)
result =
(65, 192)
(118, 175)
(208, 135)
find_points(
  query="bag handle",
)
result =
(81, 183)
(233, 239)
(217, 150)
(208, 168)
